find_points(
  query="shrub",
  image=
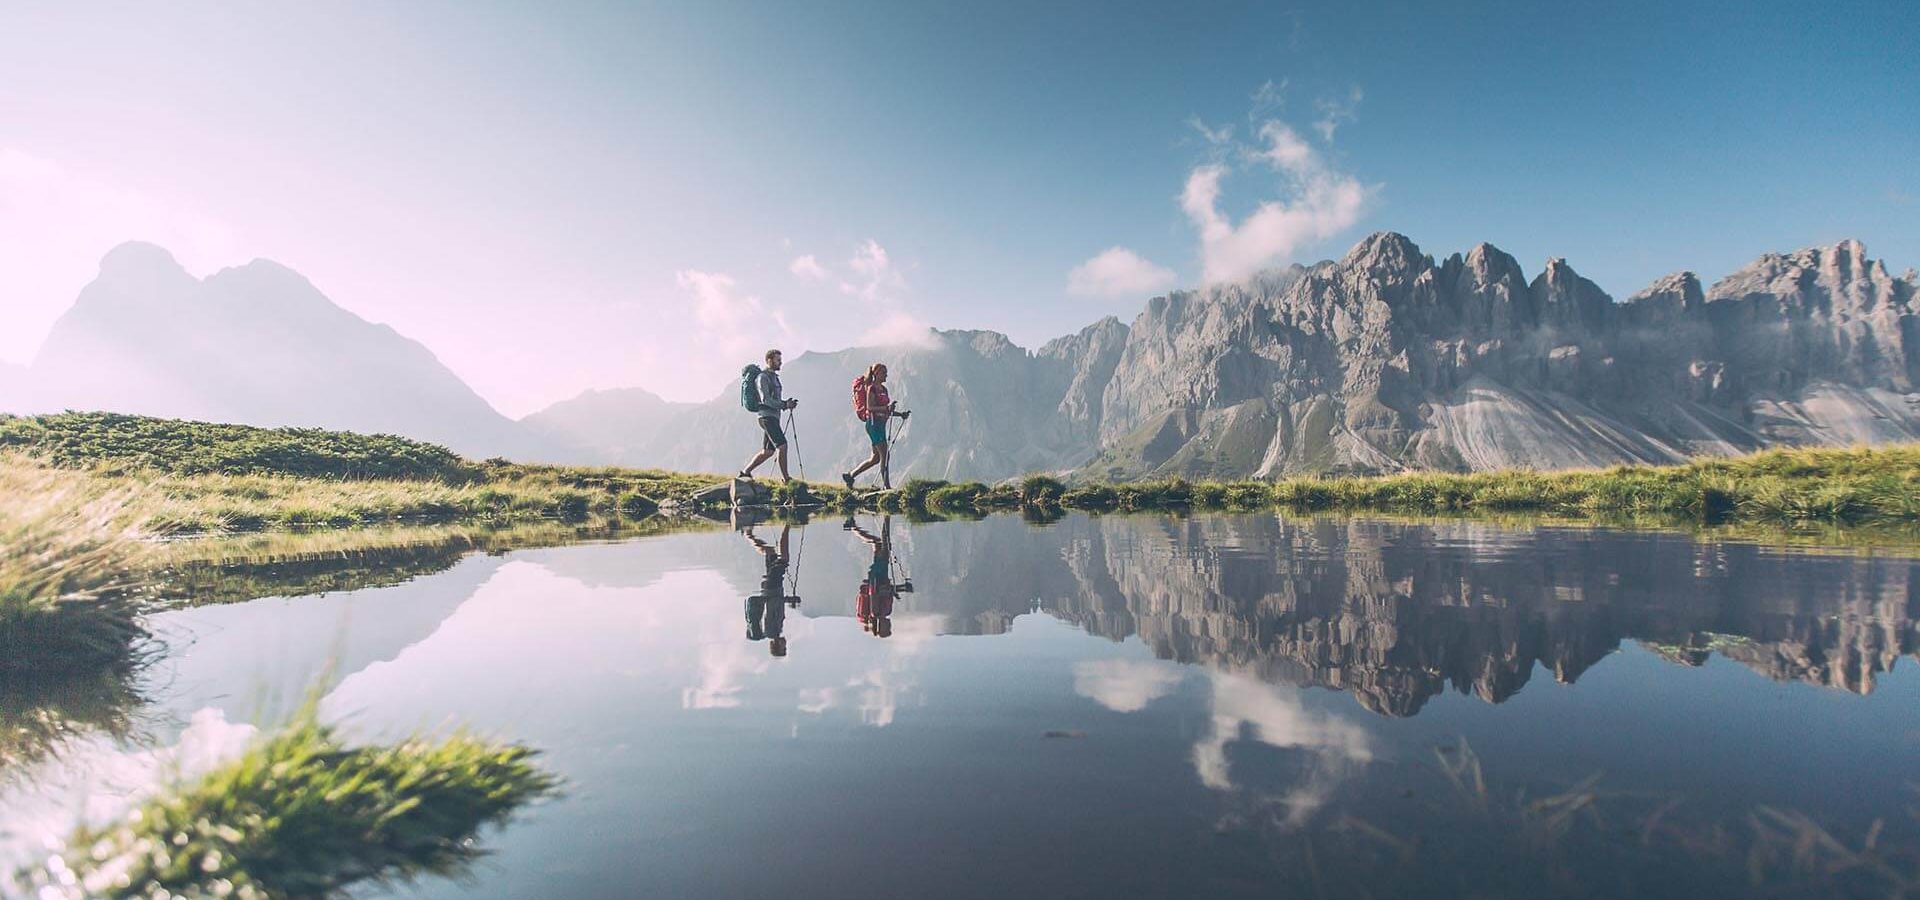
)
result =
(1041, 490)
(1094, 496)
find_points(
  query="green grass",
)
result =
(225, 478)
(299, 814)
(179, 447)
(209, 479)
(66, 548)
(1797, 488)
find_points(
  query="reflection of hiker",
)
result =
(767, 610)
(873, 407)
(873, 606)
(760, 394)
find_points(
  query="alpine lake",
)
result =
(1260, 705)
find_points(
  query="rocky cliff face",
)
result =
(1386, 360)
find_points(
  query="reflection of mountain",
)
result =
(1394, 613)
(256, 661)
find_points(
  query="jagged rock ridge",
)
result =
(1386, 360)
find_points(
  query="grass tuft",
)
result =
(298, 814)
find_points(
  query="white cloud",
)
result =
(1217, 137)
(732, 324)
(1337, 111)
(1319, 201)
(1118, 272)
(875, 280)
(1125, 685)
(808, 268)
(55, 225)
(1267, 100)
(898, 329)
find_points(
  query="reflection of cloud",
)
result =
(882, 687)
(724, 668)
(815, 701)
(96, 782)
(1125, 685)
(1246, 709)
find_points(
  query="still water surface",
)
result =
(1119, 706)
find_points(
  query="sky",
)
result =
(563, 196)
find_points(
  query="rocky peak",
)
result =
(1567, 301)
(139, 257)
(1489, 265)
(1386, 253)
(1666, 301)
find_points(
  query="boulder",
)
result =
(747, 492)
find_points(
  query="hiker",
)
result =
(873, 605)
(760, 393)
(767, 610)
(873, 407)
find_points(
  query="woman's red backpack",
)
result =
(860, 393)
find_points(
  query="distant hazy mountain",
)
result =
(983, 408)
(258, 345)
(625, 426)
(13, 380)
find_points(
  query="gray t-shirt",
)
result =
(770, 399)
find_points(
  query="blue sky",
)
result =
(561, 196)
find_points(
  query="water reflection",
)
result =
(1394, 613)
(873, 601)
(767, 610)
(1124, 705)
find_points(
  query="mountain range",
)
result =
(1383, 360)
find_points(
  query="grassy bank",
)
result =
(66, 545)
(1848, 487)
(204, 478)
(298, 814)
(223, 478)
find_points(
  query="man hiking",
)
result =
(873, 407)
(760, 394)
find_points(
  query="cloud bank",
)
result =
(1118, 272)
(1317, 200)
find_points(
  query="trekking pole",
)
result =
(793, 437)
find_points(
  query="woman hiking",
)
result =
(873, 407)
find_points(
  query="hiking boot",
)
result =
(848, 479)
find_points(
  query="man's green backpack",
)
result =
(750, 388)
